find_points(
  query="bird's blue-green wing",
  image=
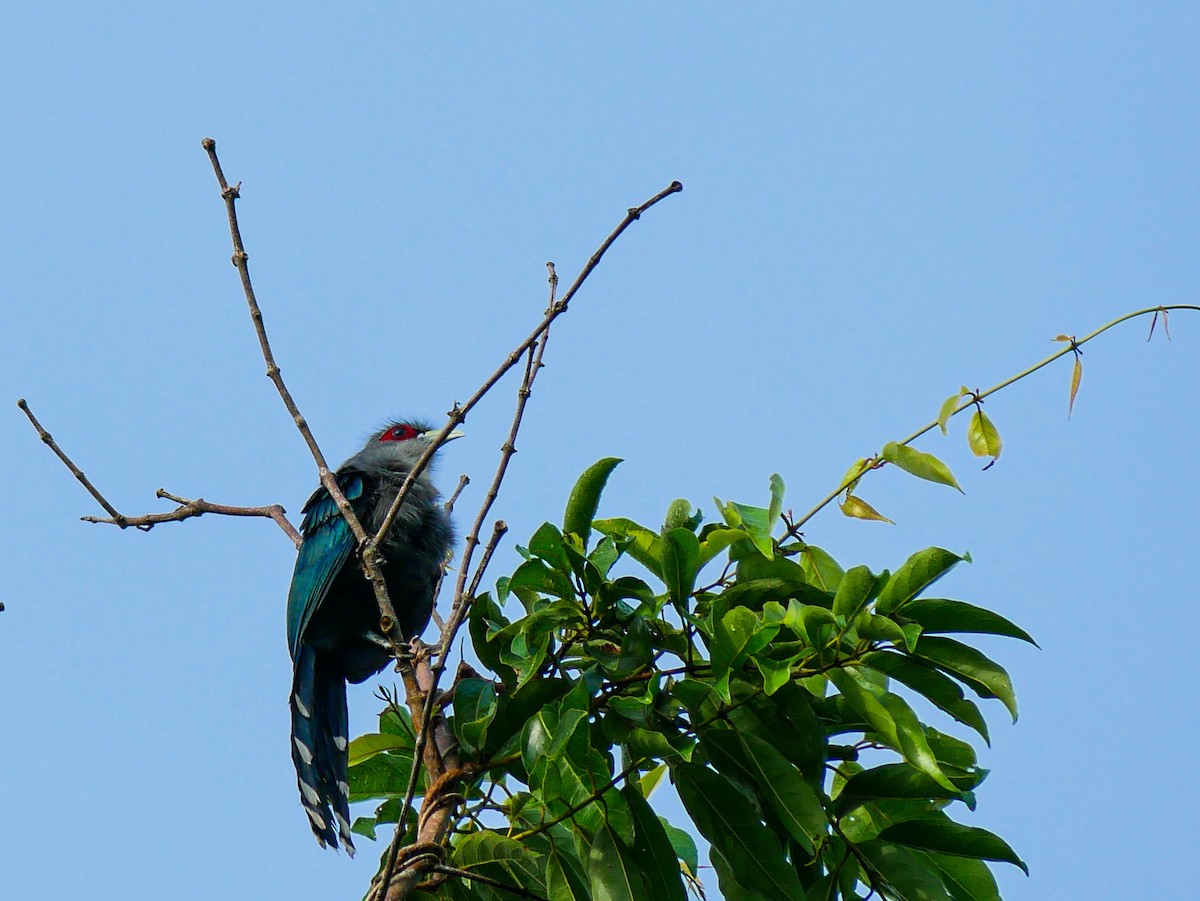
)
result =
(328, 542)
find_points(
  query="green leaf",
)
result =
(775, 508)
(364, 826)
(614, 872)
(789, 796)
(942, 615)
(914, 746)
(820, 569)
(965, 878)
(679, 515)
(535, 578)
(949, 837)
(716, 540)
(547, 734)
(732, 636)
(485, 621)
(680, 554)
(642, 544)
(367, 746)
(879, 628)
(894, 780)
(920, 464)
(636, 649)
(949, 406)
(382, 775)
(893, 719)
(561, 882)
(917, 573)
(856, 588)
(983, 437)
(548, 544)
(758, 522)
(513, 710)
(905, 871)
(585, 498)
(726, 818)
(775, 673)
(649, 781)
(942, 691)
(683, 845)
(474, 707)
(953, 751)
(659, 863)
(727, 880)
(853, 474)
(492, 854)
(809, 621)
(984, 676)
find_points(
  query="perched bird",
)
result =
(332, 615)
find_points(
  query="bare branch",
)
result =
(498, 531)
(463, 482)
(48, 440)
(458, 414)
(187, 509)
(369, 555)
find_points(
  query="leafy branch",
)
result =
(983, 438)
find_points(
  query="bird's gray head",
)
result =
(397, 447)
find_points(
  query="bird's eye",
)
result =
(399, 433)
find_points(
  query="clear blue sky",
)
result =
(881, 203)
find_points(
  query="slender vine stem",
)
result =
(794, 527)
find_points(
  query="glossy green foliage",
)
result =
(782, 694)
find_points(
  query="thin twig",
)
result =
(48, 440)
(459, 413)
(187, 509)
(498, 531)
(463, 482)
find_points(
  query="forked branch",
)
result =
(187, 509)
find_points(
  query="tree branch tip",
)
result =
(21, 403)
(675, 187)
(208, 144)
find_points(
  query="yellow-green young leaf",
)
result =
(1065, 339)
(1076, 375)
(857, 508)
(650, 780)
(983, 437)
(853, 474)
(920, 464)
(949, 405)
(775, 508)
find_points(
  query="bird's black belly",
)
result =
(350, 613)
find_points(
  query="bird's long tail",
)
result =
(320, 727)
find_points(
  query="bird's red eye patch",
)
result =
(399, 433)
